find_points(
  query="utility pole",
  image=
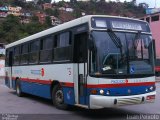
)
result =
(155, 4)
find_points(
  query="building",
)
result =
(47, 6)
(41, 17)
(154, 22)
(16, 11)
(3, 11)
(55, 21)
(3, 14)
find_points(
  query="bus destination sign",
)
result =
(126, 25)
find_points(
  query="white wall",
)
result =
(2, 69)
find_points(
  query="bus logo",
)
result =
(42, 72)
(119, 81)
(38, 72)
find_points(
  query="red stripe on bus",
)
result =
(120, 85)
(65, 84)
(34, 80)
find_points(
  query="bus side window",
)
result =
(62, 44)
(80, 47)
(46, 49)
(16, 58)
(9, 57)
(24, 53)
(34, 52)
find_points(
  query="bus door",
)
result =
(80, 58)
(8, 80)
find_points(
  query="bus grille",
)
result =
(129, 101)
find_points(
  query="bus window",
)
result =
(155, 18)
(16, 58)
(34, 52)
(62, 50)
(64, 40)
(80, 47)
(46, 49)
(148, 19)
(24, 54)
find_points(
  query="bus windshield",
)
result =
(132, 55)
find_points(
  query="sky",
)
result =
(151, 3)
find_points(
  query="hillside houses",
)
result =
(25, 16)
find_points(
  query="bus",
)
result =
(94, 62)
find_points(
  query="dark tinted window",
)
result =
(16, 58)
(34, 46)
(155, 18)
(64, 39)
(24, 54)
(34, 52)
(148, 19)
(46, 49)
(62, 50)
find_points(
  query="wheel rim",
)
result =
(59, 97)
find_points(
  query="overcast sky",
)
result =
(151, 3)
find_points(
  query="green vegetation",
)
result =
(11, 28)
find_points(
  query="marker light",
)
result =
(93, 91)
(150, 97)
(101, 92)
(151, 88)
(108, 92)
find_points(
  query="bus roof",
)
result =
(63, 26)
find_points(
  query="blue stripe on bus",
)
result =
(41, 90)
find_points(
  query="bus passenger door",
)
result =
(80, 58)
(8, 79)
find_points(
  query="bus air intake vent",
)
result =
(129, 101)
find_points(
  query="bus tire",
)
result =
(18, 89)
(58, 97)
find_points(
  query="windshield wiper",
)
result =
(115, 39)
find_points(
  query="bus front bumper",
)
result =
(99, 101)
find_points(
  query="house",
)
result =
(47, 6)
(16, 11)
(4, 9)
(55, 21)
(3, 14)
(41, 17)
(69, 10)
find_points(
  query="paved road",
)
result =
(31, 107)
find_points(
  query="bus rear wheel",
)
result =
(58, 97)
(18, 89)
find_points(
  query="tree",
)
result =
(56, 12)
(48, 21)
(49, 11)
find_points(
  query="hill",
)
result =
(34, 17)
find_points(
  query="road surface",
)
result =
(31, 107)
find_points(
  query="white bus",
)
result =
(94, 62)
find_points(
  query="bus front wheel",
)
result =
(18, 89)
(58, 97)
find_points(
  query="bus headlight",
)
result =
(146, 89)
(101, 92)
